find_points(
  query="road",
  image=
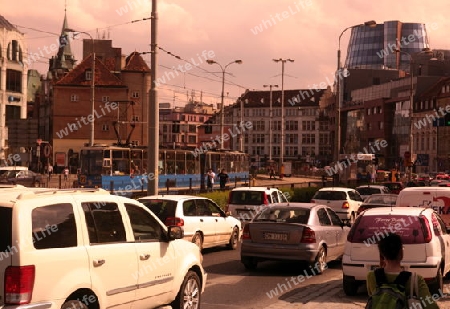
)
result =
(231, 286)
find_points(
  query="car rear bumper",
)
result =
(278, 252)
(42, 305)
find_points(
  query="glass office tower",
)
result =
(374, 48)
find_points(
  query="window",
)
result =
(104, 222)
(335, 220)
(135, 118)
(13, 80)
(145, 227)
(308, 138)
(323, 217)
(105, 98)
(291, 138)
(292, 125)
(88, 74)
(74, 98)
(135, 94)
(105, 127)
(308, 125)
(258, 138)
(6, 229)
(54, 226)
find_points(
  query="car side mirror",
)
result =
(174, 232)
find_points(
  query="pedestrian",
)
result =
(210, 175)
(223, 179)
(66, 173)
(391, 276)
(271, 172)
(50, 171)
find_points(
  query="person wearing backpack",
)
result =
(391, 287)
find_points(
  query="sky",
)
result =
(254, 31)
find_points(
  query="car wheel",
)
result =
(350, 286)
(198, 240)
(249, 262)
(74, 304)
(234, 239)
(189, 295)
(436, 287)
(320, 264)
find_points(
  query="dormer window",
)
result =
(88, 74)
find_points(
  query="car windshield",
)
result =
(387, 199)
(247, 197)
(330, 195)
(161, 208)
(287, 215)
(370, 229)
(367, 190)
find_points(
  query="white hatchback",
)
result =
(203, 221)
(344, 201)
(425, 241)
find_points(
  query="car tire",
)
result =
(350, 286)
(436, 287)
(74, 304)
(320, 263)
(198, 240)
(234, 239)
(190, 292)
(250, 263)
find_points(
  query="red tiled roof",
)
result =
(135, 62)
(103, 76)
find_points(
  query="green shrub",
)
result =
(220, 197)
(303, 195)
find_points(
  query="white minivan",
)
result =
(437, 198)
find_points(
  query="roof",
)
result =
(336, 189)
(371, 186)
(426, 189)
(405, 211)
(135, 63)
(103, 76)
(173, 197)
(297, 205)
(292, 98)
(5, 24)
(255, 189)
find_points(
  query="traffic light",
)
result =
(447, 120)
(176, 127)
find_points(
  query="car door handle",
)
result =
(144, 257)
(99, 262)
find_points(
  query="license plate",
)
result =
(275, 236)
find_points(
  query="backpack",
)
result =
(389, 295)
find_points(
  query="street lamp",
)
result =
(222, 116)
(91, 139)
(340, 92)
(270, 120)
(283, 61)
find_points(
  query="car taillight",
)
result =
(19, 282)
(345, 205)
(313, 201)
(425, 228)
(174, 221)
(265, 199)
(246, 232)
(308, 236)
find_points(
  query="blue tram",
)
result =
(125, 169)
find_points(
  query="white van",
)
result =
(437, 198)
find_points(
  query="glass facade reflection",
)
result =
(374, 48)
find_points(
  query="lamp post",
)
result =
(411, 103)
(283, 61)
(270, 119)
(222, 114)
(339, 90)
(91, 139)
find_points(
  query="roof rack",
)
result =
(32, 193)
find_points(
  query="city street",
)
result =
(231, 286)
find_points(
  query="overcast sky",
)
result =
(254, 31)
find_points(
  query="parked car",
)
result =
(344, 201)
(245, 202)
(26, 178)
(367, 190)
(100, 251)
(203, 221)
(296, 231)
(378, 200)
(394, 187)
(6, 169)
(425, 245)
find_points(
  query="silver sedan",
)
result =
(294, 231)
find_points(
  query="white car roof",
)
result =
(172, 197)
(422, 189)
(336, 189)
(255, 189)
(394, 210)
(372, 186)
